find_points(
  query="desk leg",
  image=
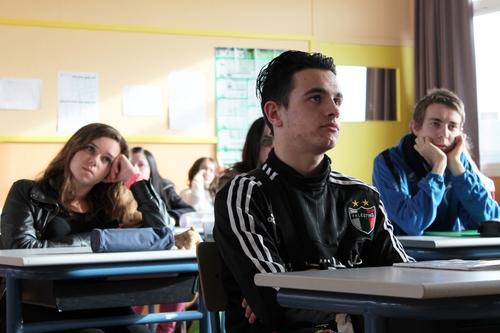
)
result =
(206, 321)
(13, 305)
(373, 323)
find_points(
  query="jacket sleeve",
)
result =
(478, 205)
(176, 206)
(385, 248)
(19, 220)
(412, 213)
(149, 203)
(246, 238)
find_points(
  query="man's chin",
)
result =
(446, 150)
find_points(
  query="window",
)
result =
(487, 48)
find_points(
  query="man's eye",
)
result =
(316, 98)
(90, 148)
(338, 101)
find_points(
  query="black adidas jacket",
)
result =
(273, 220)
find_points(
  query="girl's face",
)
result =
(139, 160)
(90, 165)
(207, 168)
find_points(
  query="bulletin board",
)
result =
(237, 106)
(119, 57)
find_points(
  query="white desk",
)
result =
(389, 281)
(81, 263)
(378, 292)
(440, 247)
(84, 255)
(444, 242)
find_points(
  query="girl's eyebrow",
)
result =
(105, 153)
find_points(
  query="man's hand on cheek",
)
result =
(434, 156)
(454, 163)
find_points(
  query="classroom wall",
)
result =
(140, 42)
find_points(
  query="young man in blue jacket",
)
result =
(428, 182)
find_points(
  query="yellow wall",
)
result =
(140, 42)
(360, 142)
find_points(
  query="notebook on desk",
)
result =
(453, 264)
(463, 233)
(434, 242)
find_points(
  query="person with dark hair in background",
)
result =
(294, 213)
(84, 187)
(258, 144)
(146, 163)
(428, 181)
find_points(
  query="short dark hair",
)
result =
(438, 96)
(274, 81)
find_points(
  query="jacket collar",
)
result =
(44, 193)
(314, 182)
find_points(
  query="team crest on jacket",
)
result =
(363, 218)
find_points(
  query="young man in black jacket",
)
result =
(295, 213)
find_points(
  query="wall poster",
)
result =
(237, 105)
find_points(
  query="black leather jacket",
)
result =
(30, 206)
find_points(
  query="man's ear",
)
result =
(273, 113)
(413, 126)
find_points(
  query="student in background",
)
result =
(83, 187)
(258, 144)
(146, 163)
(294, 213)
(201, 182)
(428, 181)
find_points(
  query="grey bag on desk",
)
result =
(131, 239)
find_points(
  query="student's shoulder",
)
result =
(27, 188)
(242, 181)
(340, 180)
(24, 185)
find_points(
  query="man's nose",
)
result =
(333, 109)
(444, 131)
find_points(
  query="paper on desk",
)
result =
(453, 264)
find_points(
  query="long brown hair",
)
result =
(112, 197)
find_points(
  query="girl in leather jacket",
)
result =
(83, 187)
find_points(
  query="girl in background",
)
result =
(201, 191)
(258, 144)
(146, 163)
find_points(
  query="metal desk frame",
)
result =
(376, 309)
(14, 274)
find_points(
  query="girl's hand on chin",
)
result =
(121, 170)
